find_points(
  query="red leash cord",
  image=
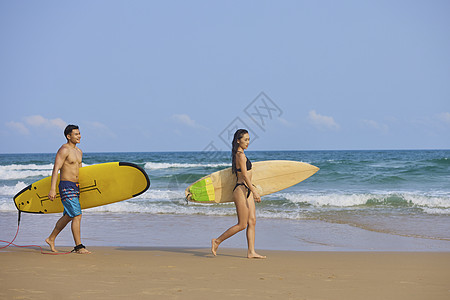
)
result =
(27, 246)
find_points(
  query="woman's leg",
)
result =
(251, 228)
(240, 201)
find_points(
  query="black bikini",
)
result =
(248, 164)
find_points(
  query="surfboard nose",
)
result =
(188, 196)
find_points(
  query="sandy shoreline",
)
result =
(192, 273)
(180, 231)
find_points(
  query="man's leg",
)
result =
(62, 222)
(76, 232)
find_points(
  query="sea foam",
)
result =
(349, 200)
(157, 166)
(12, 172)
(7, 190)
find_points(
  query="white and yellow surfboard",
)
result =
(268, 176)
(99, 185)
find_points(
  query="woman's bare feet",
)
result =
(214, 246)
(255, 255)
(51, 243)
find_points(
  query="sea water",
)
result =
(358, 200)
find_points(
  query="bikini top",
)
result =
(248, 163)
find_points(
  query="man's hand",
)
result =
(52, 195)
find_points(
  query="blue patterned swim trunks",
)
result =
(70, 198)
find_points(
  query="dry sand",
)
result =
(177, 273)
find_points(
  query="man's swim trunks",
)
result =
(70, 193)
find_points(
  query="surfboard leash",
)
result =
(17, 232)
(27, 246)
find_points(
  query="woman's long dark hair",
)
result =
(235, 146)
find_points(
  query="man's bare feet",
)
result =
(214, 246)
(83, 251)
(51, 244)
(256, 256)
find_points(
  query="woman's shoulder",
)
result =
(240, 154)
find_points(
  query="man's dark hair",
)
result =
(69, 129)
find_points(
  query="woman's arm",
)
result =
(241, 160)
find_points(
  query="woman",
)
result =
(244, 195)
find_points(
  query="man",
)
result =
(67, 162)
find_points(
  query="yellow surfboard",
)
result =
(99, 185)
(268, 176)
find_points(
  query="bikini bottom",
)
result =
(241, 183)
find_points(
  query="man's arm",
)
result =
(61, 156)
(80, 165)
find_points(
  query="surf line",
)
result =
(28, 246)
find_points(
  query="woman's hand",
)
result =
(256, 196)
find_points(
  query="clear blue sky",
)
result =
(176, 75)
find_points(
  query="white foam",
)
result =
(7, 206)
(437, 211)
(348, 200)
(164, 208)
(7, 190)
(27, 167)
(14, 171)
(428, 201)
(172, 202)
(339, 200)
(161, 195)
(12, 175)
(11, 172)
(157, 166)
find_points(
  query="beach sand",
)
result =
(191, 273)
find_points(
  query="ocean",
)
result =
(357, 201)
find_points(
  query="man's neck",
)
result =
(72, 145)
